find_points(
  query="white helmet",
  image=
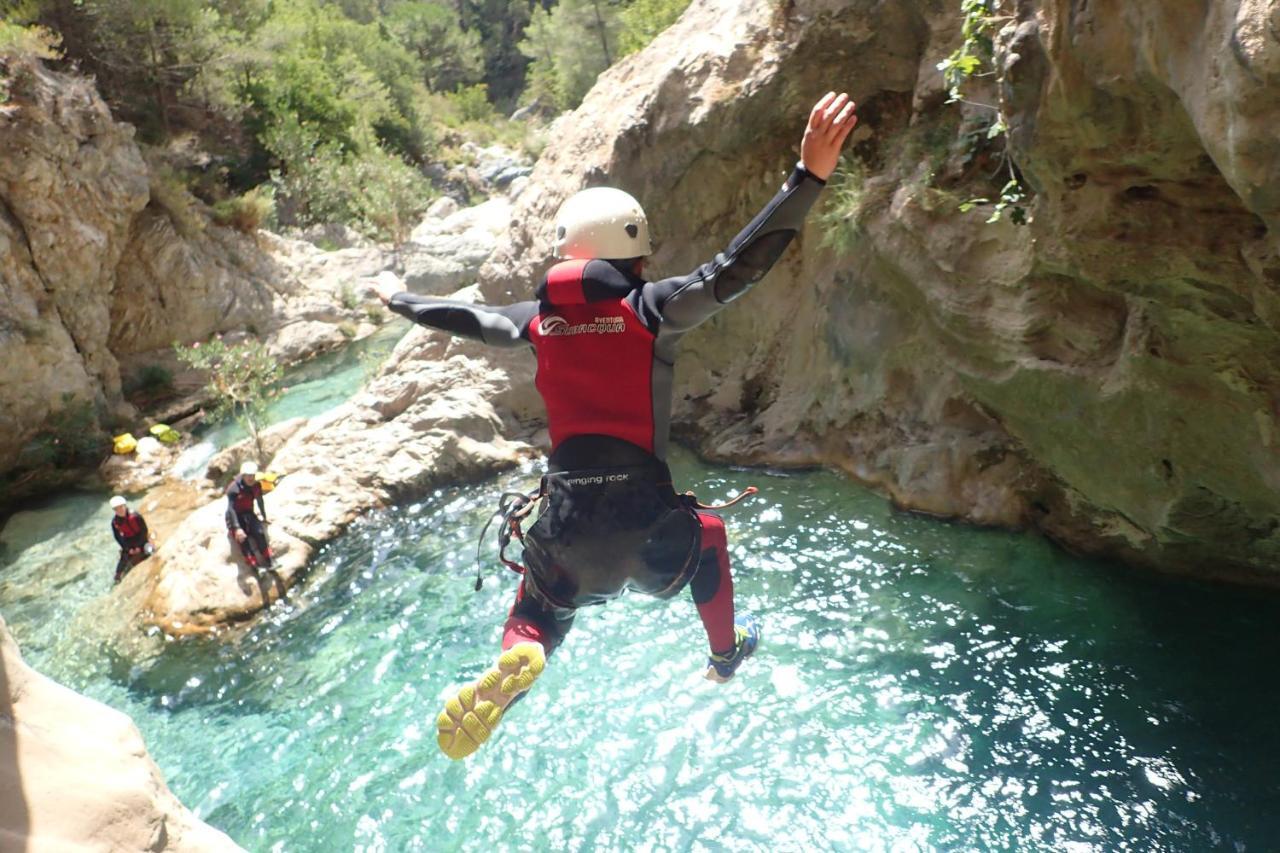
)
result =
(602, 223)
(249, 468)
(118, 501)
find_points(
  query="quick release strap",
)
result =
(513, 508)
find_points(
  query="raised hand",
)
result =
(830, 122)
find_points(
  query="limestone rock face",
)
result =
(96, 268)
(75, 774)
(1106, 373)
(445, 254)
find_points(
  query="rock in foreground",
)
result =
(75, 774)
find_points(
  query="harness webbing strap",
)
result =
(745, 493)
(513, 508)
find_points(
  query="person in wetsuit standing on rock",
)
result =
(243, 524)
(605, 342)
(130, 531)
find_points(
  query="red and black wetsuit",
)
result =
(605, 342)
(130, 531)
(241, 497)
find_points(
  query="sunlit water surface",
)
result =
(920, 686)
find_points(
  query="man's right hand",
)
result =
(241, 536)
(386, 286)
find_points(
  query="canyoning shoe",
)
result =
(721, 667)
(471, 715)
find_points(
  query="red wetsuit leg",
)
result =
(532, 621)
(712, 584)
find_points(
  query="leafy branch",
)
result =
(243, 380)
(967, 61)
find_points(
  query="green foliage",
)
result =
(569, 45)
(376, 192)
(1012, 198)
(243, 380)
(471, 103)
(71, 438)
(967, 61)
(449, 56)
(144, 53)
(169, 193)
(500, 26)
(248, 212)
(21, 41)
(977, 48)
(337, 105)
(20, 34)
(843, 208)
(153, 380)
(348, 297)
(642, 20)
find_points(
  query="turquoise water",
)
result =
(310, 389)
(921, 686)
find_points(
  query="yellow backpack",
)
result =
(166, 433)
(124, 443)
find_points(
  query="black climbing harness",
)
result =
(513, 509)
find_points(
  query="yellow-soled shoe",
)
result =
(471, 715)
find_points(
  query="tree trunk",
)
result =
(604, 39)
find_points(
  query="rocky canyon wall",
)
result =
(1106, 373)
(104, 259)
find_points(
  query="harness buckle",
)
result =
(513, 509)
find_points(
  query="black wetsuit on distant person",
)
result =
(241, 497)
(130, 532)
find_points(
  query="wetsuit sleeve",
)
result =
(685, 301)
(262, 507)
(117, 534)
(495, 325)
(233, 523)
(145, 534)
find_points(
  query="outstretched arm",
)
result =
(496, 325)
(686, 301)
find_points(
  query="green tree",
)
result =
(372, 190)
(569, 47)
(345, 79)
(143, 52)
(21, 34)
(21, 40)
(243, 380)
(500, 25)
(449, 55)
(642, 20)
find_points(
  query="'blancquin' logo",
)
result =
(554, 326)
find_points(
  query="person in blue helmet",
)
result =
(605, 339)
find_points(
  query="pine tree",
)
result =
(570, 46)
(449, 55)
